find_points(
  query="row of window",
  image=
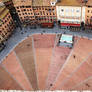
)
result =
(70, 10)
(25, 14)
(24, 10)
(39, 13)
(28, 17)
(38, 18)
(46, 17)
(7, 28)
(5, 33)
(48, 9)
(36, 8)
(89, 11)
(7, 17)
(24, 7)
(89, 17)
(71, 22)
(44, 13)
(8, 24)
(32, 17)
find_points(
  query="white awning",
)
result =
(66, 38)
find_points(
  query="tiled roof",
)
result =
(6, 0)
(53, 0)
(21, 2)
(1, 9)
(69, 3)
(89, 3)
(37, 2)
(4, 12)
(41, 2)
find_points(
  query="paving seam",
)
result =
(83, 61)
(34, 52)
(65, 63)
(20, 40)
(22, 69)
(13, 49)
(53, 51)
(88, 63)
(26, 37)
(12, 76)
(82, 82)
(31, 33)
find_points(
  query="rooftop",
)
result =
(37, 2)
(4, 12)
(1, 8)
(69, 3)
(6, 0)
(22, 2)
(89, 3)
(41, 2)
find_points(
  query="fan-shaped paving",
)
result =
(38, 63)
(79, 53)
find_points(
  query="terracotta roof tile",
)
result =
(69, 3)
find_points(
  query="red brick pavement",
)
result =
(12, 65)
(43, 50)
(80, 52)
(84, 72)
